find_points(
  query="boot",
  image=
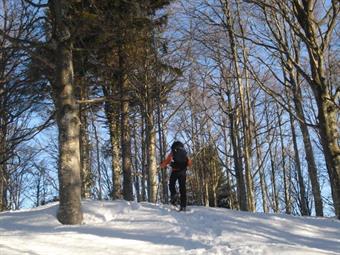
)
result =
(183, 208)
(173, 201)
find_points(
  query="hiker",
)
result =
(179, 161)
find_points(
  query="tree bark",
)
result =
(151, 157)
(125, 128)
(241, 189)
(84, 144)
(68, 121)
(329, 140)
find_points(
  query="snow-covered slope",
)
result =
(122, 227)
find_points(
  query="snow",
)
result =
(121, 227)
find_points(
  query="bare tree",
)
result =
(315, 29)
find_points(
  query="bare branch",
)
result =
(39, 5)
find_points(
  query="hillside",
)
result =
(122, 227)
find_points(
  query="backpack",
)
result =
(180, 159)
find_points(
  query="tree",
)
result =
(314, 28)
(20, 94)
(67, 116)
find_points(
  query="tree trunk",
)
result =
(162, 152)
(228, 163)
(303, 199)
(275, 198)
(126, 150)
(3, 187)
(312, 169)
(3, 156)
(262, 177)
(3, 183)
(68, 122)
(285, 171)
(99, 173)
(84, 144)
(302, 190)
(125, 129)
(137, 165)
(143, 159)
(329, 140)
(241, 189)
(244, 113)
(151, 158)
(112, 115)
(205, 190)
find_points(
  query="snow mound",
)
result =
(121, 227)
(96, 212)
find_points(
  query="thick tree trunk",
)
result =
(67, 111)
(69, 153)
(329, 133)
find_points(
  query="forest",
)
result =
(94, 92)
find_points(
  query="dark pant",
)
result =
(181, 177)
